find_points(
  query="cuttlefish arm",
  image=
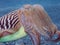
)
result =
(58, 38)
(35, 37)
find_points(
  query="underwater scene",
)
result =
(52, 7)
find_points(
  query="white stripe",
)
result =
(0, 27)
(9, 21)
(12, 17)
(5, 23)
(0, 22)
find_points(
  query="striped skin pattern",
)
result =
(33, 18)
(9, 23)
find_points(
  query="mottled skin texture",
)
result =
(36, 22)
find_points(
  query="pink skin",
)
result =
(34, 34)
(27, 23)
(36, 22)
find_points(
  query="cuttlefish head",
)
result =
(36, 21)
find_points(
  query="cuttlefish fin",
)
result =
(34, 36)
(6, 32)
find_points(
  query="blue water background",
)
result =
(51, 6)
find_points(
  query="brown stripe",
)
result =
(16, 23)
(2, 25)
(7, 22)
(14, 17)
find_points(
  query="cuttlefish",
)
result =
(34, 20)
